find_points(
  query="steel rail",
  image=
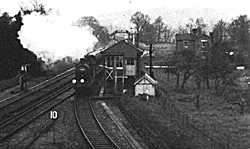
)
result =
(32, 107)
(91, 128)
(37, 87)
(27, 122)
(17, 107)
(100, 126)
(79, 125)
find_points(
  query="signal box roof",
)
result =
(124, 48)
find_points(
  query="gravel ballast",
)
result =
(114, 128)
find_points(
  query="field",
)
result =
(162, 130)
(215, 117)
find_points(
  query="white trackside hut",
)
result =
(145, 85)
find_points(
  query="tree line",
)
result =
(229, 48)
(148, 32)
(12, 53)
(215, 70)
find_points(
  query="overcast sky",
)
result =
(75, 8)
(118, 12)
(67, 40)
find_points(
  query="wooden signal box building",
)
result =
(122, 66)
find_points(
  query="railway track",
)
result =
(15, 123)
(116, 130)
(4, 103)
(25, 102)
(90, 127)
(21, 111)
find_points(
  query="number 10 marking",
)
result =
(53, 115)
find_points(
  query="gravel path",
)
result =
(126, 124)
(110, 127)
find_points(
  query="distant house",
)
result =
(195, 40)
(145, 85)
(159, 49)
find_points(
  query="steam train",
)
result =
(86, 73)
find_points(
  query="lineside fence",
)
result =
(208, 137)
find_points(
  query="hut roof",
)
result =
(147, 77)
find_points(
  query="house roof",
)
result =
(185, 36)
(147, 77)
(123, 47)
(189, 36)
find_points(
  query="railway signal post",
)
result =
(23, 77)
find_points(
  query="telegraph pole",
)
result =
(137, 39)
(150, 60)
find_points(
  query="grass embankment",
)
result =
(11, 85)
(150, 117)
(5, 84)
(216, 116)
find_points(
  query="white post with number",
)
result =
(53, 116)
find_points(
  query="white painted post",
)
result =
(53, 116)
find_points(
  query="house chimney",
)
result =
(133, 39)
(194, 31)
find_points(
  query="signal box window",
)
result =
(203, 43)
(110, 62)
(185, 44)
(130, 61)
(119, 61)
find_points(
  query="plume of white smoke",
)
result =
(52, 37)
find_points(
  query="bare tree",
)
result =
(140, 20)
(159, 26)
(198, 23)
(240, 35)
(182, 30)
(220, 32)
(168, 34)
(37, 6)
(101, 32)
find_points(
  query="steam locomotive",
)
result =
(85, 76)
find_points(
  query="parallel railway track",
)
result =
(4, 103)
(25, 102)
(12, 125)
(22, 111)
(91, 128)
